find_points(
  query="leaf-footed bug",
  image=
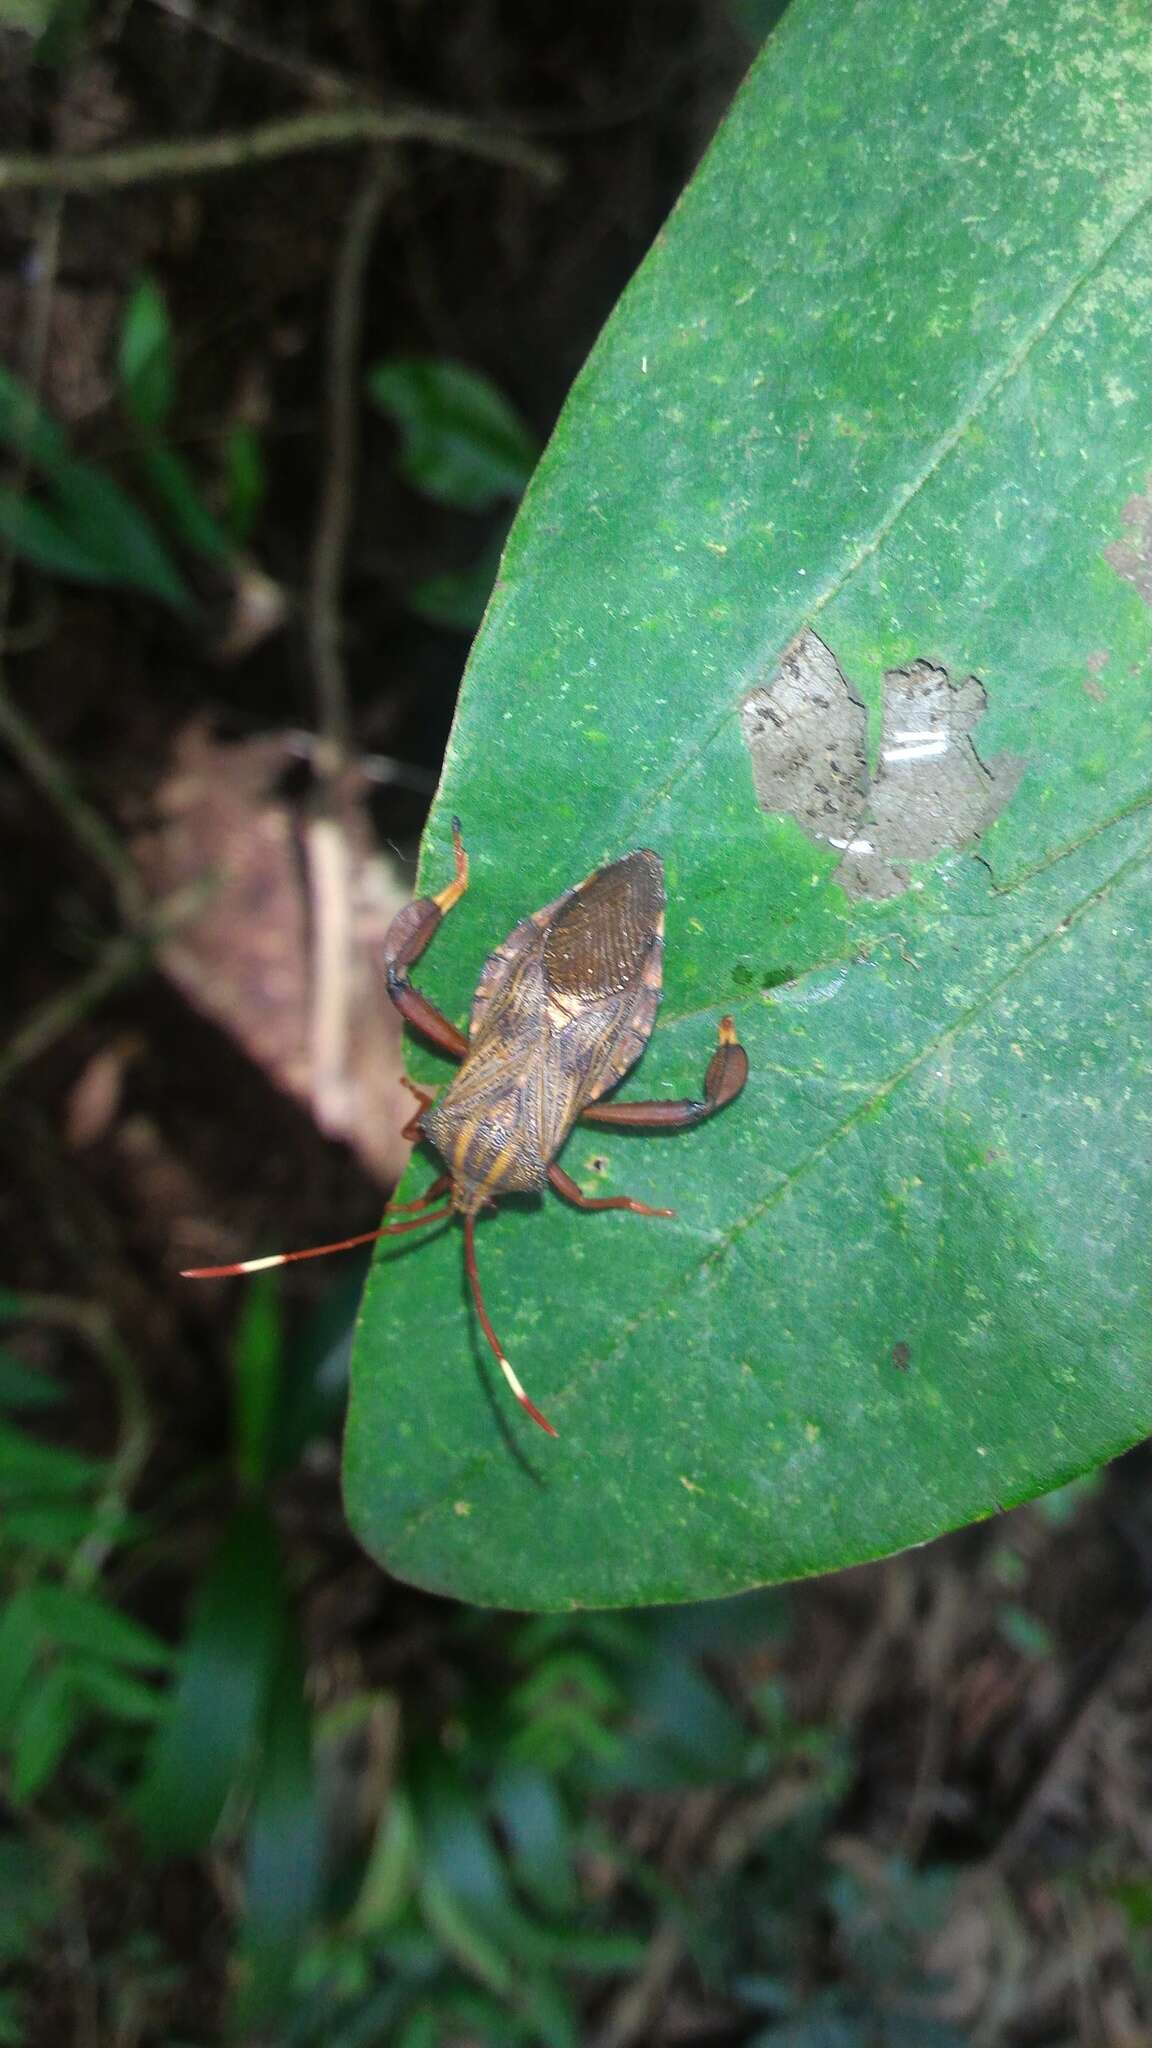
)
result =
(563, 1009)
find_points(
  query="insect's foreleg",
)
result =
(407, 936)
(566, 1186)
(727, 1073)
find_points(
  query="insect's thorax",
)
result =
(532, 1068)
(488, 1137)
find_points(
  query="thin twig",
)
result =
(1129, 1648)
(315, 78)
(55, 782)
(337, 498)
(40, 764)
(147, 163)
(91, 1322)
(125, 956)
(119, 961)
(329, 855)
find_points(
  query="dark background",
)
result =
(934, 1824)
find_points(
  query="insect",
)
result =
(563, 1009)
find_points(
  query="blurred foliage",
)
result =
(409, 1871)
(461, 441)
(458, 1857)
(79, 523)
(149, 390)
(464, 446)
(69, 517)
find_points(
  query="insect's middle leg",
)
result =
(727, 1073)
(407, 936)
(566, 1186)
(425, 1097)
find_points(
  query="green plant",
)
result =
(81, 525)
(72, 1666)
(866, 427)
(149, 389)
(234, 1752)
(473, 1905)
(228, 1749)
(464, 446)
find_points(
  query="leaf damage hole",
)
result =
(1132, 559)
(806, 732)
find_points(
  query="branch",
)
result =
(316, 78)
(339, 487)
(330, 871)
(91, 1322)
(120, 961)
(41, 765)
(327, 128)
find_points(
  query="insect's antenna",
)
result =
(489, 1332)
(316, 1251)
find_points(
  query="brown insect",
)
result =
(563, 1009)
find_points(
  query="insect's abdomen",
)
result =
(486, 1133)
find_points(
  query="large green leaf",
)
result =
(884, 377)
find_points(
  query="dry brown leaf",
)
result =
(94, 1098)
(246, 959)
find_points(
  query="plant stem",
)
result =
(322, 128)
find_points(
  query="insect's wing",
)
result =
(602, 956)
(506, 964)
(600, 939)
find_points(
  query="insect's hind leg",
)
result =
(406, 938)
(566, 1186)
(727, 1073)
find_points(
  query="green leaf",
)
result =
(54, 1528)
(462, 443)
(100, 517)
(41, 536)
(257, 1366)
(21, 1644)
(533, 1819)
(61, 25)
(115, 1693)
(47, 1723)
(285, 1861)
(884, 380)
(26, 428)
(146, 364)
(313, 1390)
(174, 489)
(456, 598)
(28, 1467)
(24, 1386)
(90, 530)
(73, 1620)
(247, 481)
(207, 1743)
